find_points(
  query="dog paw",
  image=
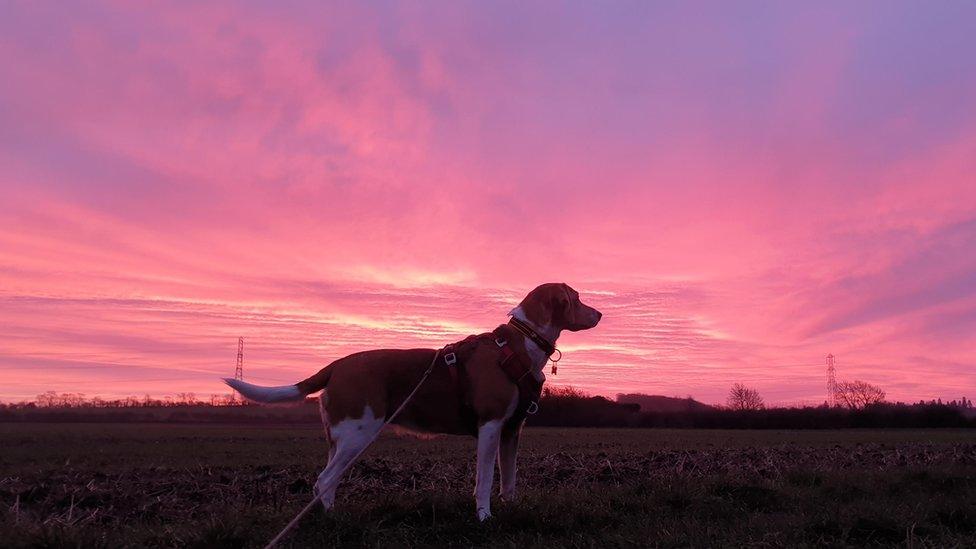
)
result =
(327, 499)
(326, 502)
(508, 495)
(483, 514)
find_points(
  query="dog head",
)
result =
(556, 306)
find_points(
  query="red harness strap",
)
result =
(529, 388)
(453, 361)
(515, 369)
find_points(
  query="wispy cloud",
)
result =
(741, 191)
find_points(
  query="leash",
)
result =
(312, 503)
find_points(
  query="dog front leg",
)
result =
(488, 436)
(507, 452)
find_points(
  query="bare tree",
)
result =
(745, 398)
(47, 399)
(857, 394)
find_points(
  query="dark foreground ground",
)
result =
(140, 485)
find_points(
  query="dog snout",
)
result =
(593, 316)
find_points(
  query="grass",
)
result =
(113, 485)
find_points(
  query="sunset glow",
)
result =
(740, 189)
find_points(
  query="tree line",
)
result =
(746, 410)
(563, 407)
(855, 395)
(53, 399)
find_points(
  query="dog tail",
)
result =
(282, 393)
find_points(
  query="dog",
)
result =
(484, 386)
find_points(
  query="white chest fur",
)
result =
(536, 353)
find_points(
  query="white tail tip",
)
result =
(267, 395)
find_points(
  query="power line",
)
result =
(831, 381)
(239, 372)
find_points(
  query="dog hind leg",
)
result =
(323, 401)
(349, 438)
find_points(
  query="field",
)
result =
(112, 485)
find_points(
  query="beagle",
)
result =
(483, 386)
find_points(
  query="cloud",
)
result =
(742, 190)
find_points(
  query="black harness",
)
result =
(516, 368)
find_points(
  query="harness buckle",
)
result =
(450, 359)
(533, 408)
(500, 342)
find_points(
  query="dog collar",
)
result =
(528, 332)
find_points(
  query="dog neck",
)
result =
(538, 356)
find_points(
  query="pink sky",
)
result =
(741, 189)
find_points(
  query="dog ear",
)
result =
(564, 306)
(537, 308)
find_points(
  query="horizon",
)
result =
(741, 190)
(80, 400)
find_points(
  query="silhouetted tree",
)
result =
(745, 398)
(47, 399)
(857, 394)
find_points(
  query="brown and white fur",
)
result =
(361, 390)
